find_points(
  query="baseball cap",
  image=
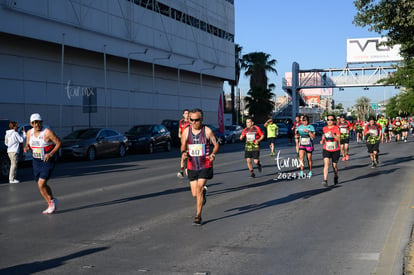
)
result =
(34, 117)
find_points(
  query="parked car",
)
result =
(149, 138)
(221, 137)
(172, 126)
(233, 133)
(283, 129)
(91, 143)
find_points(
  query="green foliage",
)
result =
(401, 105)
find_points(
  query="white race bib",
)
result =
(373, 132)
(305, 141)
(344, 130)
(331, 145)
(251, 136)
(197, 150)
(38, 153)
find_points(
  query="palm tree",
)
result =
(362, 105)
(259, 102)
(235, 82)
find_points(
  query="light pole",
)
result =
(201, 80)
(153, 79)
(178, 79)
(129, 83)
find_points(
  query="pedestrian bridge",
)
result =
(339, 78)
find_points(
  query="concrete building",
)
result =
(113, 63)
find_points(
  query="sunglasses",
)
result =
(195, 120)
(36, 121)
(330, 119)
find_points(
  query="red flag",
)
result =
(220, 114)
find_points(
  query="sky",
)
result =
(311, 33)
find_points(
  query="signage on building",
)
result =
(367, 50)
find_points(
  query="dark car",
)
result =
(172, 126)
(233, 133)
(319, 127)
(91, 143)
(283, 129)
(149, 138)
(221, 137)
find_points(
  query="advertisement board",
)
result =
(368, 50)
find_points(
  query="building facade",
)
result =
(113, 63)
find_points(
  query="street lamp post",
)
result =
(129, 82)
(153, 78)
(201, 80)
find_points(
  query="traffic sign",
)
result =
(374, 106)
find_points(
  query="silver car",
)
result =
(91, 143)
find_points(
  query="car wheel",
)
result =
(4, 167)
(122, 150)
(233, 139)
(91, 154)
(168, 146)
(150, 148)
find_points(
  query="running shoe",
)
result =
(52, 207)
(347, 157)
(204, 195)
(14, 181)
(336, 180)
(301, 174)
(373, 165)
(344, 158)
(272, 154)
(325, 183)
(252, 175)
(310, 174)
(259, 167)
(197, 220)
(405, 140)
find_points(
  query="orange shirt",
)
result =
(331, 144)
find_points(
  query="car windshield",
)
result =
(231, 128)
(140, 130)
(82, 134)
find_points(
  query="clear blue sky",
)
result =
(312, 33)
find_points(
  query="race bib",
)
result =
(38, 153)
(331, 145)
(251, 136)
(305, 141)
(344, 130)
(197, 150)
(373, 132)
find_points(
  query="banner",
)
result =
(366, 50)
(221, 114)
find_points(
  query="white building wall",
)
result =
(32, 78)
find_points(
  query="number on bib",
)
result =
(197, 150)
(305, 141)
(331, 145)
(38, 153)
(251, 136)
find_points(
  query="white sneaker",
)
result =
(14, 181)
(52, 207)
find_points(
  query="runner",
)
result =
(182, 124)
(396, 128)
(306, 135)
(254, 136)
(196, 141)
(359, 128)
(373, 132)
(405, 126)
(296, 124)
(44, 145)
(272, 132)
(383, 123)
(330, 140)
(344, 128)
(390, 129)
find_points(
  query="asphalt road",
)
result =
(134, 216)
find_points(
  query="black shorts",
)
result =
(271, 140)
(373, 147)
(42, 169)
(252, 154)
(206, 173)
(334, 155)
(344, 140)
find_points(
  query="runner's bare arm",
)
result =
(184, 136)
(210, 135)
(50, 135)
(27, 146)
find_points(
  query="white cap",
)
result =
(34, 117)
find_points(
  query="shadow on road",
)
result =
(34, 267)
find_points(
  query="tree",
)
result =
(363, 105)
(235, 82)
(259, 102)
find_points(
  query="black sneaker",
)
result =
(373, 165)
(252, 175)
(204, 195)
(197, 220)
(325, 183)
(335, 180)
(259, 167)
